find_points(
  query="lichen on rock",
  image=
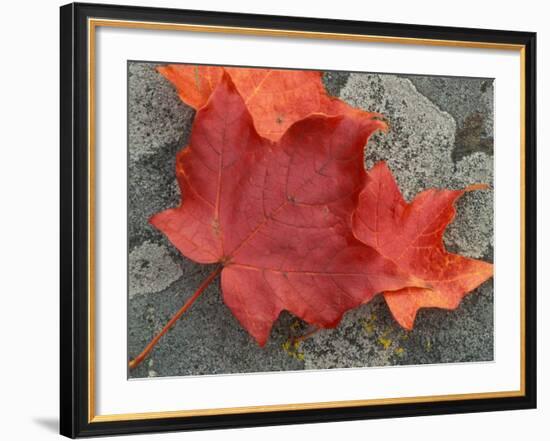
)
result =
(152, 269)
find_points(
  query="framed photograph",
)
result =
(273, 220)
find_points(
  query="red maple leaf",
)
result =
(277, 216)
(411, 235)
(275, 98)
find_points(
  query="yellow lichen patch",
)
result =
(292, 348)
(428, 346)
(368, 327)
(368, 324)
(385, 342)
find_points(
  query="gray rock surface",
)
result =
(440, 136)
(419, 143)
(472, 231)
(152, 268)
(158, 126)
(470, 103)
(157, 117)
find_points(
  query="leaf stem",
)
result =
(147, 350)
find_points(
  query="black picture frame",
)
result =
(76, 418)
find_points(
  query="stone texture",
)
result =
(334, 81)
(208, 340)
(430, 144)
(152, 268)
(157, 117)
(158, 126)
(470, 102)
(472, 231)
(419, 143)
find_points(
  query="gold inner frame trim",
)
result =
(92, 25)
